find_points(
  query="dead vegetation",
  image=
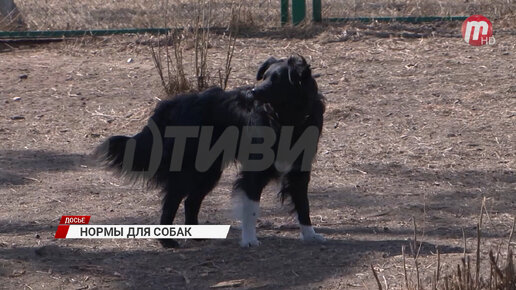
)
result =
(494, 9)
(414, 127)
(261, 14)
(168, 53)
(98, 14)
(10, 17)
(498, 273)
(409, 131)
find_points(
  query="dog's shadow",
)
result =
(281, 260)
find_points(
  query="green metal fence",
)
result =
(107, 19)
(74, 18)
(299, 15)
(77, 33)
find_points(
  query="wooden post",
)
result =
(10, 15)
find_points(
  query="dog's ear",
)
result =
(298, 69)
(263, 68)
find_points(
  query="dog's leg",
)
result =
(249, 215)
(205, 183)
(295, 184)
(192, 207)
(171, 203)
(249, 189)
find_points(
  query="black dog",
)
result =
(285, 106)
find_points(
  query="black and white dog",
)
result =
(254, 126)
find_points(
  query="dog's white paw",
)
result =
(249, 243)
(308, 235)
(313, 238)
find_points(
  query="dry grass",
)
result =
(97, 14)
(405, 118)
(10, 18)
(168, 55)
(169, 64)
(500, 275)
(495, 9)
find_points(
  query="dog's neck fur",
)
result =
(288, 116)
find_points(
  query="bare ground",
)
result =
(415, 128)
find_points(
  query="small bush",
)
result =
(168, 56)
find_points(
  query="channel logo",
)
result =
(477, 30)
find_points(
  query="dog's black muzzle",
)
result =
(259, 94)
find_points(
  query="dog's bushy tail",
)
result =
(111, 154)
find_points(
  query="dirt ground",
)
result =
(415, 128)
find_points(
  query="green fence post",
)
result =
(316, 11)
(284, 12)
(298, 11)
